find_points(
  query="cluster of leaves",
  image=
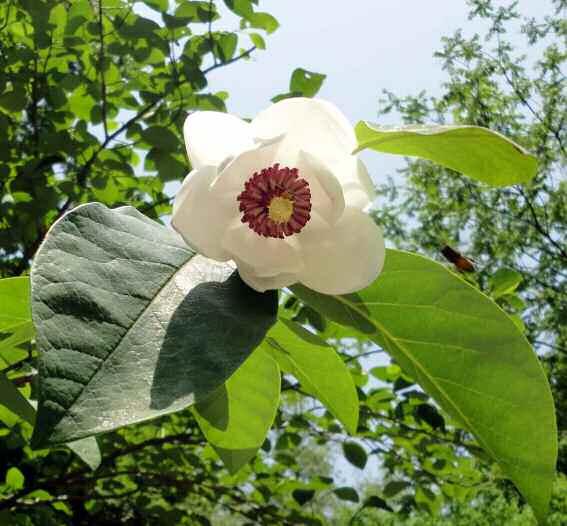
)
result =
(515, 235)
(93, 95)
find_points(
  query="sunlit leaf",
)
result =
(467, 354)
(318, 367)
(237, 416)
(477, 152)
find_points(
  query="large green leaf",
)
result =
(318, 368)
(237, 417)
(467, 354)
(131, 324)
(474, 151)
(16, 326)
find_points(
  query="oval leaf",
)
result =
(347, 493)
(131, 324)
(318, 368)
(236, 418)
(355, 454)
(466, 353)
(476, 152)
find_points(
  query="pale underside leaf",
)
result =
(131, 324)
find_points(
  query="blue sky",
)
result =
(363, 46)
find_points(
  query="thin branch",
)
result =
(242, 55)
(551, 346)
(364, 354)
(524, 101)
(538, 226)
(149, 107)
(101, 67)
(210, 32)
(179, 439)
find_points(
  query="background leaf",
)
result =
(466, 353)
(355, 454)
(303, 83)
(131, 324)
(476, 152)
(16, 327)
(318, 367)
(504, 281)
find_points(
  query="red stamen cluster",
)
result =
(264, 186)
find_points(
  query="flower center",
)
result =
(280, 209)
(275, 202)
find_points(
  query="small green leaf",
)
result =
(467, 354)
(303, 83)
(318, 368)
(167, 166)
(16, 402)
(257, 40)
(15, 479)
(303, 496)
(131, 324)
(307, 83)
(16, 327)
(394, 487)
(225, 45)
(237, 416)
(161, 137)
(355, 454)
(14, 101)
(476, 152)
(347, 493)
(263, 21)
(79, 12)
(159, 5)
(504, 281)
(202, 11)
(376, 502)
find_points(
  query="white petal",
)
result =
(358, 188)
(267, 256)
(309, 124)
(212, 136)
(262, 284)
(326, 192)
(345, 258)
(234, 174)
(199, 217)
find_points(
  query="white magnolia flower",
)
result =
(282, 196)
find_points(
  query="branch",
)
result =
(242, 55)
(181, 438)
(85, 168)
(101, 67)
(210, 32)
(364, 354)
(538, 226)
